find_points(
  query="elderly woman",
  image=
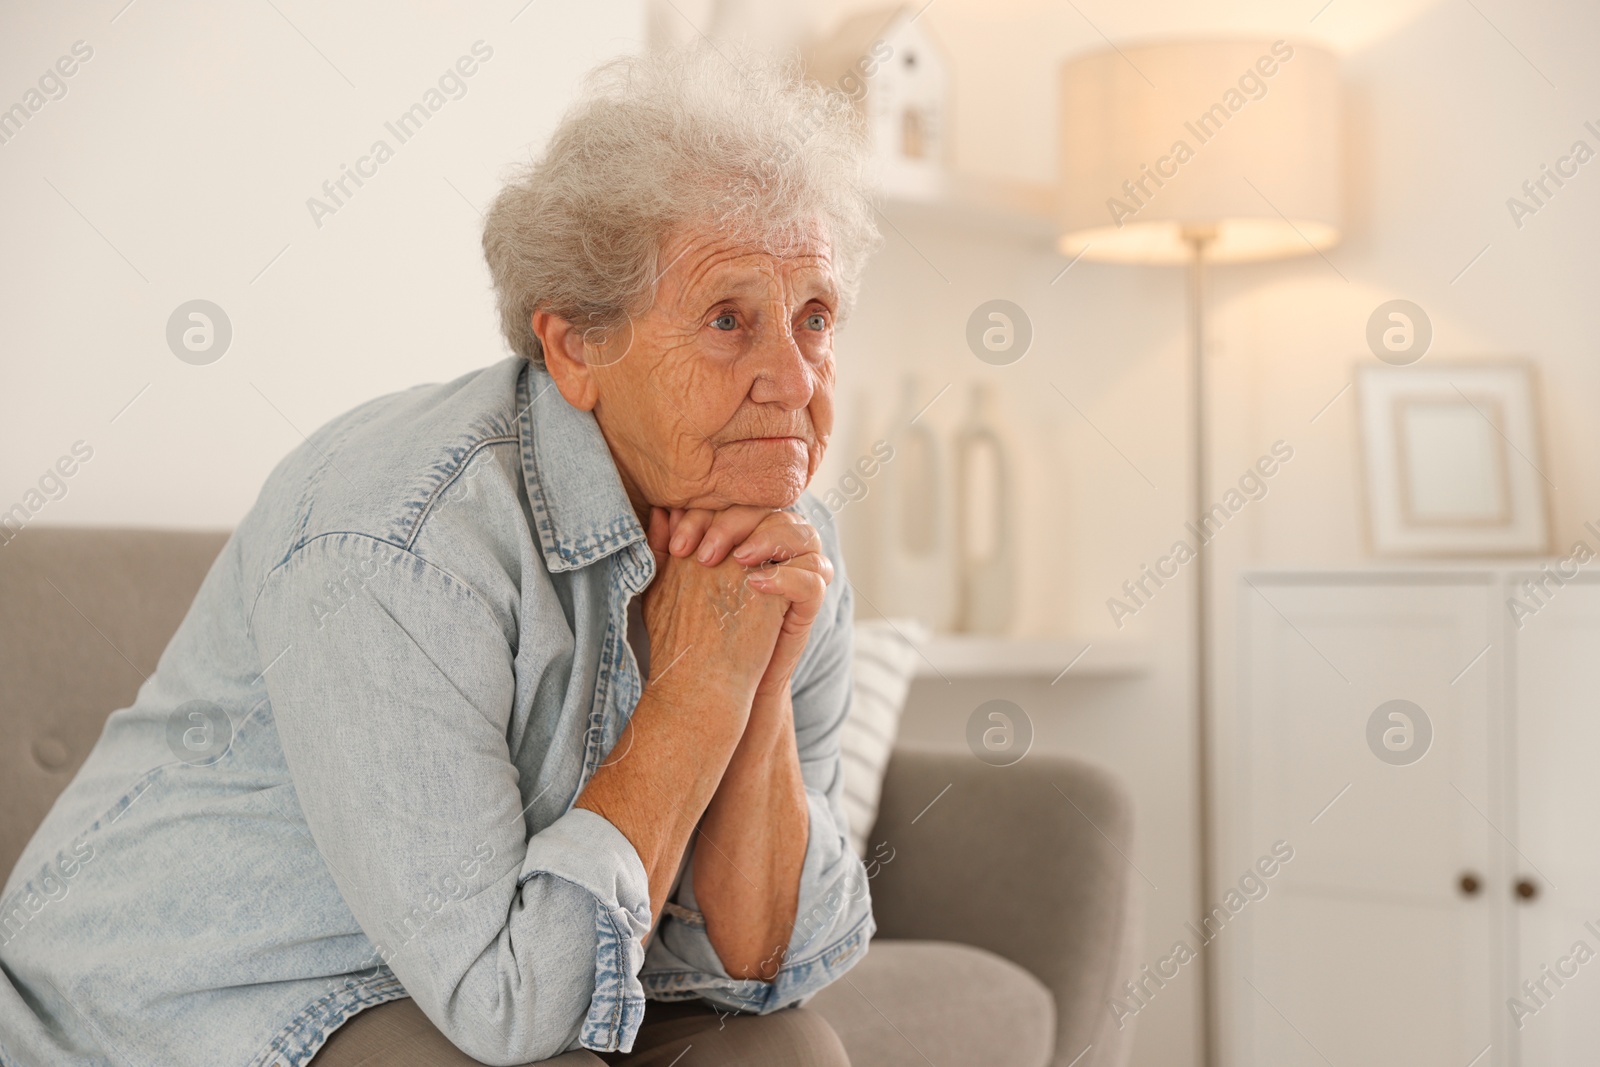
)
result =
(518, 696)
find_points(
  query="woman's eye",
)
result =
(725, 321)
(817, 321)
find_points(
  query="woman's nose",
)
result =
(783, 375)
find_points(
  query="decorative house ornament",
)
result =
(888, 62)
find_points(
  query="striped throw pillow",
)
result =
(882, 665)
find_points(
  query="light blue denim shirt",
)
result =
(351, 777)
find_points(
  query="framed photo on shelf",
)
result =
(1453, 459)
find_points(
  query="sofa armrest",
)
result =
(1027, 861)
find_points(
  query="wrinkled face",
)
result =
(721, 392)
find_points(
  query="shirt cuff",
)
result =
(586, 849)
(833, 926)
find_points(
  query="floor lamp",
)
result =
(1192, 153)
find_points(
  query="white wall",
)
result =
(178, 166)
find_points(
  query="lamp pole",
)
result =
(1198, 238)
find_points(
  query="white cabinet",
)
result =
(1556, 815)
(1396, 934)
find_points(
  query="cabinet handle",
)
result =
(1526, 888)
(1470, 884)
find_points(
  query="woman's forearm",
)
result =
(752, 845)
(659, 778)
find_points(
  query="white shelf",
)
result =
(989, 205)
(953, 656)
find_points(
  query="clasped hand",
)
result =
(734, 598)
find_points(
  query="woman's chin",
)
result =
(767, 488)
(780, 489)
(774, 497)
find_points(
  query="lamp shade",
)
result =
(1236, 141)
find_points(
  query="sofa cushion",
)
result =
(917, 1002)
(84, 616)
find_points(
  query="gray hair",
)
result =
(725, 138)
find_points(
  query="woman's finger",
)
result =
(688, 526)
(658, 528)
(812, 563)
(783, 535)
(726, 529)
(805, 589)
(816, 561)
(656, 535)
(752, 534)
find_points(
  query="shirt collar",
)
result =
(580, 507)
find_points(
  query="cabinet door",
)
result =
(1366, 950)
(1557, 819)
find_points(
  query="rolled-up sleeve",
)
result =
(833, 922)
(391, 685)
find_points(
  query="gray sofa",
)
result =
(1005, 919)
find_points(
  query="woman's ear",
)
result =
(564, 358)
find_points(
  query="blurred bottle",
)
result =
(985, 525)
(916, 552)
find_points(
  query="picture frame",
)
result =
(1453, 459)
